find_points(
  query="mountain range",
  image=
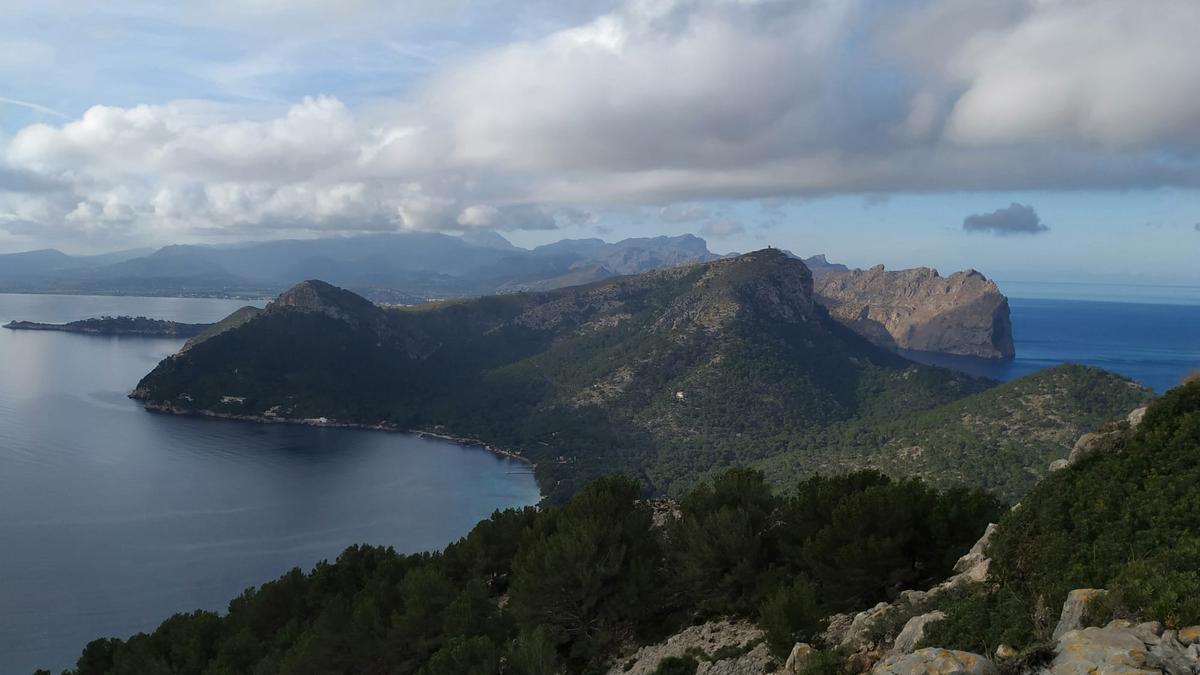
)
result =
(666, 375)
(397, 267)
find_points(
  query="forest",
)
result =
(536, 592)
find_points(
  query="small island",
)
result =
(118, 325)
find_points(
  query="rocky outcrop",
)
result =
(932, 660)
(866, 631)
(1074, 609)
(914, 631)
(799, 658)
(1099, 441)
(1123, 647)
(919, 310)
(720, 647)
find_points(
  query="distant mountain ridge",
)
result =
(666, 375)
(419, 265)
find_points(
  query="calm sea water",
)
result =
(1152, 334)
(113, 518)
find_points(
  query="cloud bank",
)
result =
(650, 103)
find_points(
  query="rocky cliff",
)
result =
(920, 310)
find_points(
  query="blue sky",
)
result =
(1067, 131)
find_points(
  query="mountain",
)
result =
(821, 266)
(918, 309)
(409, 266)
(237, 318)
(666, 375)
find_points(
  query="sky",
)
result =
(1054, 140)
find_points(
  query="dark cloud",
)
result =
(1014, 219)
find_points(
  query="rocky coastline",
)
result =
(326, 422)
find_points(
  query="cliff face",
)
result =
(918, 309)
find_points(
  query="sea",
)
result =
(1150, 334)
(112, 518)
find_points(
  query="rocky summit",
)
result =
(920, 310)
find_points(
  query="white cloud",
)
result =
(655, 102)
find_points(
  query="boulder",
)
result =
(1122, 647)
(1101, 650)
(1006, 652)
(1074, 609)
(800, 655)
(938, 661)
(1189, 635)
(914, 631)
(858, 635)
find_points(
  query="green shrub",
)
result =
(677, 665)
(793, 613)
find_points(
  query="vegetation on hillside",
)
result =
(669, 377)
(1002, 439)
(1122, 518)
(532, 592)
(117, 325)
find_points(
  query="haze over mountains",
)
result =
(410, 266)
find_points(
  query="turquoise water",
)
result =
(112, 518)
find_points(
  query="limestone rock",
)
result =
(1006, 652)
(1189, 635)
(1135, 418)
(1121, 647)
(1059, 464)
(858, 635)
(838, 629)
(1101, 650)
(918, 309)
(936, 661)
(914, 631)
(800, 655)
(974, 564)
(752, 657)
(1074, 609)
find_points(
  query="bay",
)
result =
(112, 518)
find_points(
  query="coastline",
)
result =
(325, 422)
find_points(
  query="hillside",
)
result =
(666, 375)
(734, 578)
(1002, 439)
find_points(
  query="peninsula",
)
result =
(118, 325)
